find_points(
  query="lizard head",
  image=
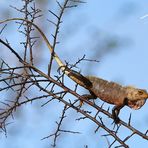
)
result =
(136, 97)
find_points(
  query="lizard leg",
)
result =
(88, 97)
(116, 111)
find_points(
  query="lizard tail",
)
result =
(75, 76)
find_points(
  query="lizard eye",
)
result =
(140, 92)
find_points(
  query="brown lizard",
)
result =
(109, 92)
(112, 93)
(116, 94)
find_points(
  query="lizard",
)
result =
(110, 92)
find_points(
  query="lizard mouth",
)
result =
(136, 104)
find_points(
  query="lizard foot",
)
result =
(115, 113)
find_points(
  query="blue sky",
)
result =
(128, 65)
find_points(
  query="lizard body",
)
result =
(117, 94)
(109, 92)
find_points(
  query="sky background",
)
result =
(84, 31)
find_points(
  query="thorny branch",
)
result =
(25, 77)
(59, 130)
